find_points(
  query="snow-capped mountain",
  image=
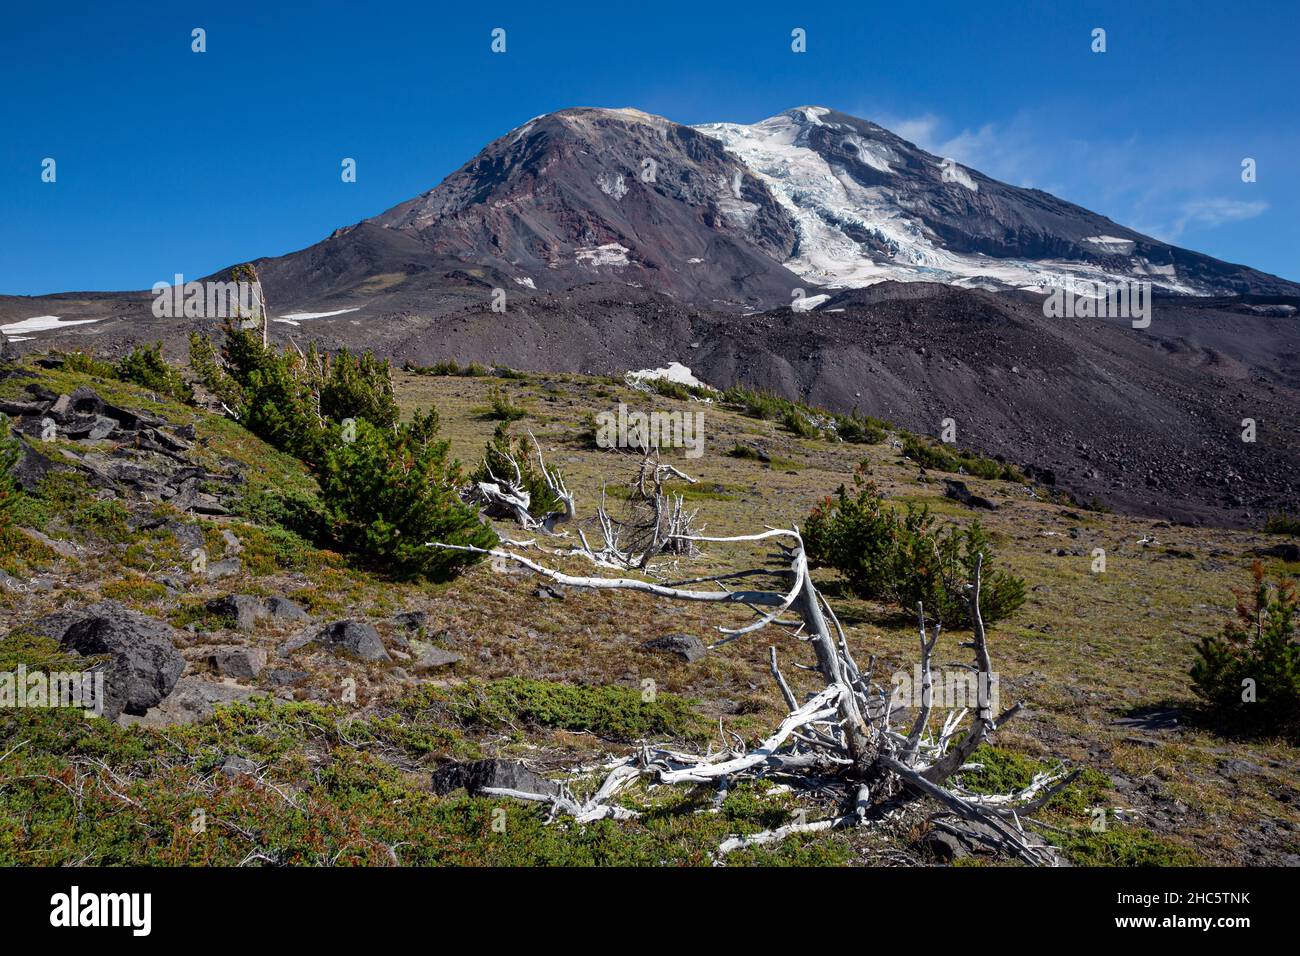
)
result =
(728, 217)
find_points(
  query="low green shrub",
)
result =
(389, 491)
(903, 558)
(146, 367)
(1250, 674)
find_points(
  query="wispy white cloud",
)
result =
(1215, 211)
(1161, 188)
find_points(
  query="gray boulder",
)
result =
(192, 701)
(283, 609)
(478, 775)
(356, 638)
(241, 663)
(144, 663)
(431, 658)
(686, 646)
(242, 609)
(30, 467)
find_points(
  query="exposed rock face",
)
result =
(145, 664)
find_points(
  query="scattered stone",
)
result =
(548, 592)
(356, 638)
(145, 664)
(283, 677)
(243, 609)
(241, 663)
(236, 766)
(282, 609)
(432, 658)
(686, 646)
(478, 775)
(957, 491)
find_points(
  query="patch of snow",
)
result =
(952, 173)
(293, 318)
(808, 303)
(673, 372)
(526, 282)
(694, 261)
(42, 323)
(612, 185)
(610, 254)
(1113, 244)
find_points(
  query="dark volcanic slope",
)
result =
(1149, 421)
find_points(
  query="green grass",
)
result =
(613, 713)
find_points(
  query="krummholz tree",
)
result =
(840, 740)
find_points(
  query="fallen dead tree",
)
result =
(654, 521)
(840, 741)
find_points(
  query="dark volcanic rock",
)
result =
(31, 466)
(957, 491)
(243, 610)
(686, 646)
(356, 638)
(477, 775)
(144, 662)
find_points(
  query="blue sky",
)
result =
(171, 161)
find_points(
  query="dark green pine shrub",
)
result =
(9, 490)
(903, 559)
(541, 500)
(1250, 675)
(145, 366)
(389, 491)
